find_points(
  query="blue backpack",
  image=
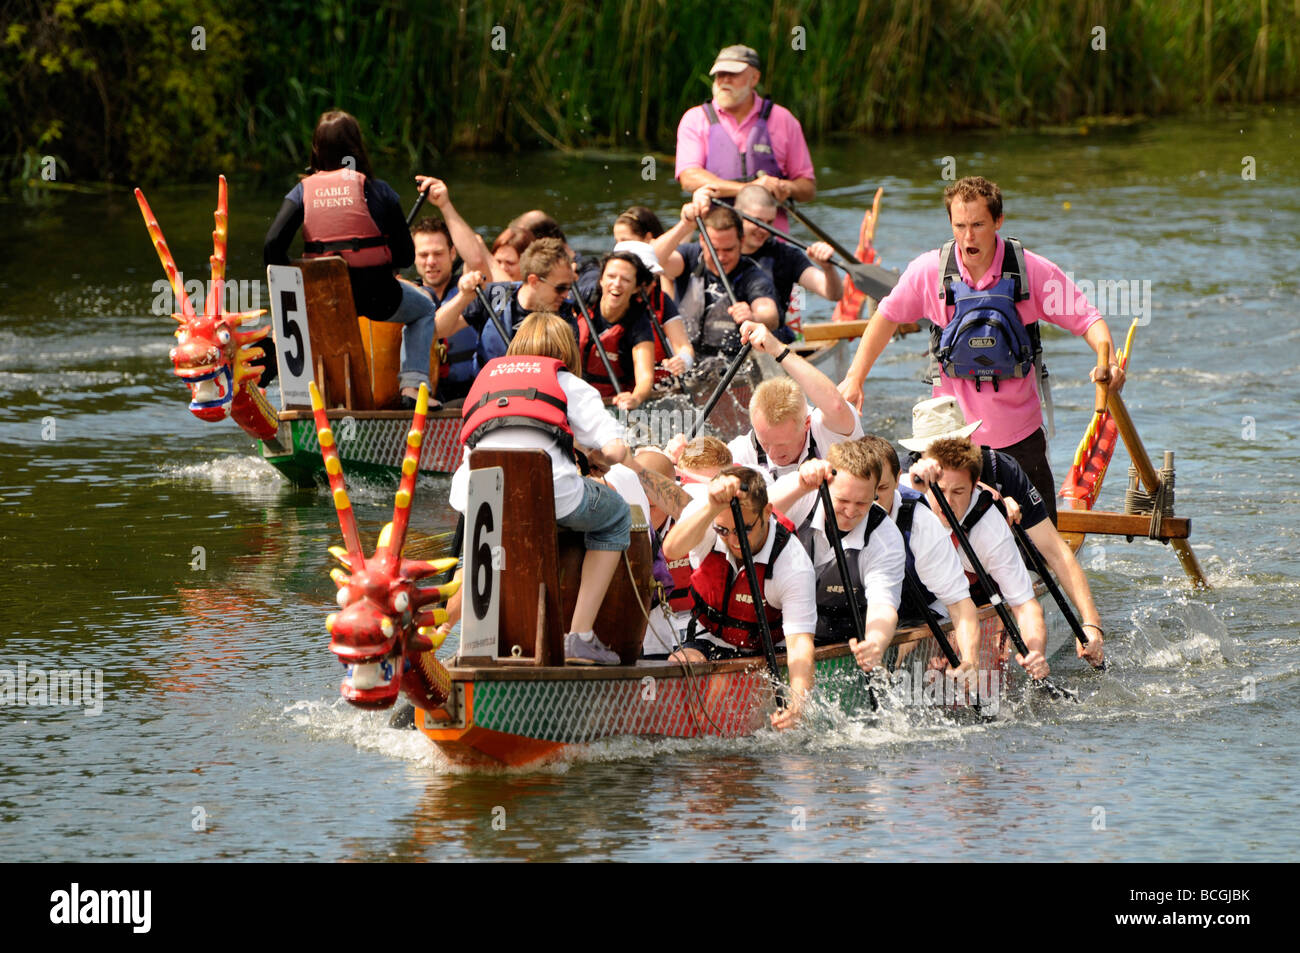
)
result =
(985, 340)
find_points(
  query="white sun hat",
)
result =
(935, 419)
(643, 251)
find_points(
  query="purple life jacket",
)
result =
(726, 162)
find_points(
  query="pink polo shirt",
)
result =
(1011, 413)
(788, 145)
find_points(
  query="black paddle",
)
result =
(595, 339)
(869, 279)
(1004, 613)
(756, 590)
(842, 563)
(1040, 566)
(718, 391)
(493, 316)
(717, 263)
(419, 204)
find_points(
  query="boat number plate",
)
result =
(484, 562)
(292, 343)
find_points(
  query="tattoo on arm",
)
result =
(664, 493)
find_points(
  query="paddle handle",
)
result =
(1004, 613)
(1040, 567)
(493, 316)
(842, 563)
(595, 338)
(718, 391)
(842, 265)
(1103, 377)
(820, 233)
(756, 590)
(419, 204)
(931, 622)
(717, 262)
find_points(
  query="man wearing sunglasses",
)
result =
(548, 279)
(724, 623)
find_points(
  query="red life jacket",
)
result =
(593, 368)
(336, 220)
(679, 598)
(522, 391)
(724, 605)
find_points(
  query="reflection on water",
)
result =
(164, 553)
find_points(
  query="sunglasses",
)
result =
(723, 532)
(563, 287)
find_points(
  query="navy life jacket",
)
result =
(908, 607)
(985, 340)
(834, 617)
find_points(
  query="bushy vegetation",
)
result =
(153, 89)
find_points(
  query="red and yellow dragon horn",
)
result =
(334, 468)
(165, 256)
(393, 537)
(216, 289)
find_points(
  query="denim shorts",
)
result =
(603, 517)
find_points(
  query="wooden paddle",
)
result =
(1040, 567)
(756, 590)
(870, 279)
(842, 563)
(1004, 613)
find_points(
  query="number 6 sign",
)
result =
(484, 561)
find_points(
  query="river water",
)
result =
(158, 551)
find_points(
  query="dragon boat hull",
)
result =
(511, 715)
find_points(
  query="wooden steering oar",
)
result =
(756, 590)
(995, 598)
(869, 279)
(1040, 567)
(842, 563)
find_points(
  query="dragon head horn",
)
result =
(165, 256)
(334, 468)
(216, 290)
(393, 538)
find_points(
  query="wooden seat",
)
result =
(539, 587)
(357, 360)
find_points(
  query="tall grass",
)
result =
(424, 79)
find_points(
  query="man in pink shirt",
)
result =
(1009, 408)
(740, 137)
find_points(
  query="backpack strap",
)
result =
(1013, 266)
(948, 269)
(709, 111)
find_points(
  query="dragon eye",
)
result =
(342, 597)
(223, 336)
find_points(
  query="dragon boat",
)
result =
(353, 361)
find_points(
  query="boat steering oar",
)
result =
(595, 339)
(760, 609)
(495, 318)
(1040, 567)
(995, 598)
(842, 563)
(869, 279)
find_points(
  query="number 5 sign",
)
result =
(484, 561)
(292, 343)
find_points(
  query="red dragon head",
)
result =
(384, 630)
(212, 355)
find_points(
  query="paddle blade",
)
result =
(872, 279)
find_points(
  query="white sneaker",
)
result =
(579, 650)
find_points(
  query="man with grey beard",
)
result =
(741, 137)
